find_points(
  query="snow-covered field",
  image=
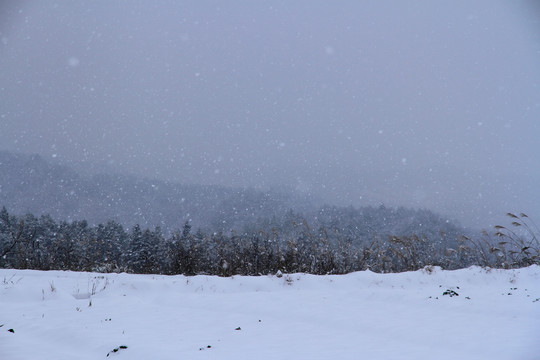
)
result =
(66, 315)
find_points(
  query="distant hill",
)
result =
(29, 184)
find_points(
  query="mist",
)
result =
(418, 104)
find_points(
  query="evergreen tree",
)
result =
(144, 250)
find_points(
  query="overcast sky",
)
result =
(430, 104)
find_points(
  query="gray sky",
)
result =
(418, 103)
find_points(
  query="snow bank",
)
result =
(483, 314)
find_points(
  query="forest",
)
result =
(288, 244)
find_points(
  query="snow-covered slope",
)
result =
(65, 315)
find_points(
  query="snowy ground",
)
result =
(66, 315)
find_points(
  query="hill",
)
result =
(29, 184)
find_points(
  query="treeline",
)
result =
(29, 242)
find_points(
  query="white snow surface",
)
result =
(364, 315)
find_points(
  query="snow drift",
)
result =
(473, 313)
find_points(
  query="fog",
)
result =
(423, 104)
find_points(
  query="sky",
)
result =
(424, 104)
